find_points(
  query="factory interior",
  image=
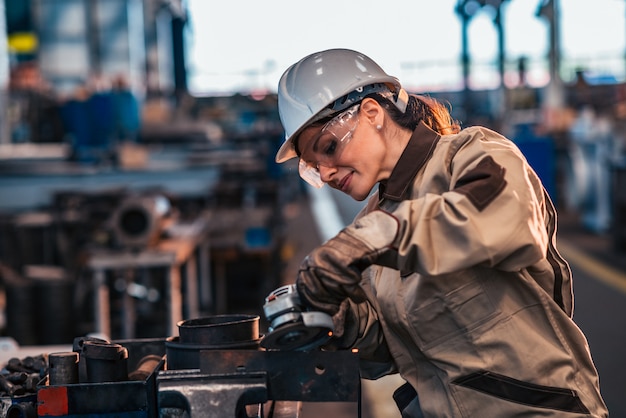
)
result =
(142, 227)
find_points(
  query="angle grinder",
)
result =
(292, 327)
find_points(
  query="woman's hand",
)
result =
(332, 272)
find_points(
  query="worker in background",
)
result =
(450, 274)
(34, 109)
(126, 110)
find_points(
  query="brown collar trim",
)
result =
(417, 152)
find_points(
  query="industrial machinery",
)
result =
(214, 368)
(139, 220)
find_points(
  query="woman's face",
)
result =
(347, 154)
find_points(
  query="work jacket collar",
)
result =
(417, 152)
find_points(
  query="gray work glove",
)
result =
(332, 272)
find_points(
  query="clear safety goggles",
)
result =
(327, 146)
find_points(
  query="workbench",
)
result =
(243, 239)
(184, 254)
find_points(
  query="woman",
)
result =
(450, 275)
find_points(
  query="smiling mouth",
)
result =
(344, 181)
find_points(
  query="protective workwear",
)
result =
(327, 82)
(475, 312)
(332, 272)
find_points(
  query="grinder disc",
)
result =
(296, 336)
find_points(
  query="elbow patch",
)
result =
(483, 183)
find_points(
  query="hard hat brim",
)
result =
(286, 151)
(316, 86)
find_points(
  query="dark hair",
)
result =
(434, 113)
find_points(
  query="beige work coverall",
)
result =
(476, 316)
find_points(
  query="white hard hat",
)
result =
(316, 81)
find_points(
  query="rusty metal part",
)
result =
(110, 398)
(322, 376)
(187, 356)
(219, 329)
(77, 346)
(228, 380)
(17, 378)
(9, 388)
(237, 331)
(63, 369)
(105, 362)
(196, 394)
(37, 364)
(139, 220)
(31, 382)
(145, 367)
(22, 410)
(15, 365)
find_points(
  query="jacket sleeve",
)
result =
(361, 328)
(491, 212)
(375, 360)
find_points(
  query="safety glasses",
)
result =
(325, 148)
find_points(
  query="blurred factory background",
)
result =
(136, 193)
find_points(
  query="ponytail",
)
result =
(432, 112)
